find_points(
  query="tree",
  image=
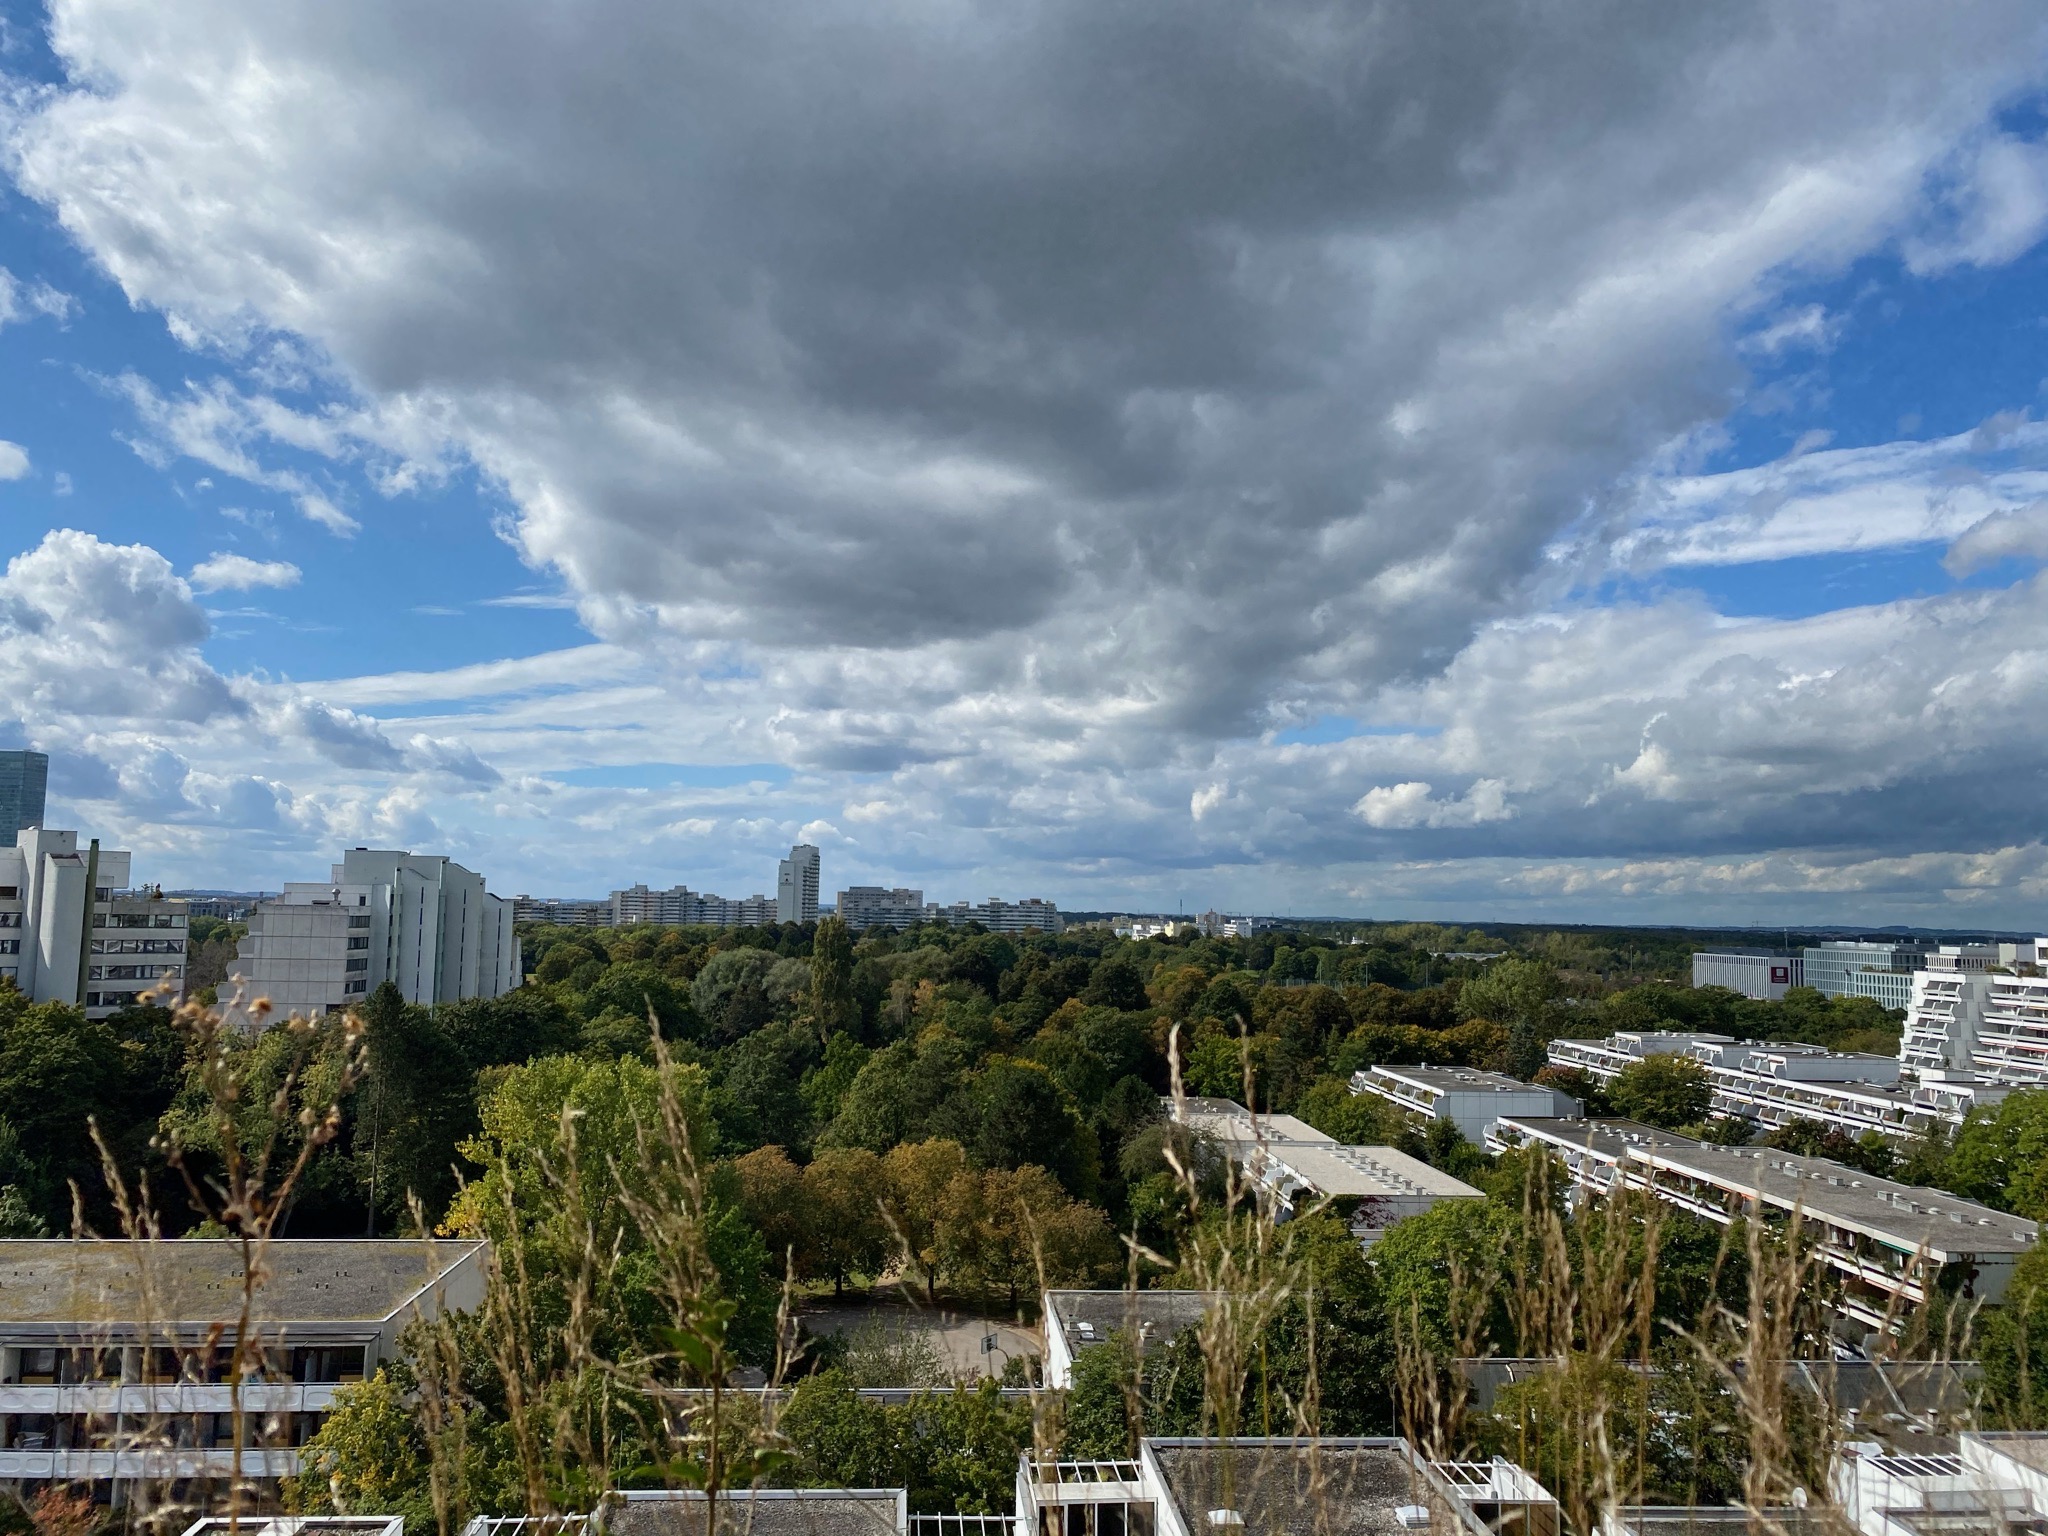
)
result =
(772, 1195)
(1097, 1423)
(2014, 1348)
(1024, 1225)
(1011, 1114)
(833, 1006)
(413, 1110)
(929, 1196)
(839, 1438)
(843, 1193)
(1664, 1091)
(368, 1454)
(2001, 1156)
(1116, 983)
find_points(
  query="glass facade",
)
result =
(1853, 968)
(24, 782)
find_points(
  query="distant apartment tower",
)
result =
(134, 943)
(875, 906)
(681, 907)
(420, 921)
(998, 916)
(24, 783)
(796, 886)
(1763, 974)
(560, 912)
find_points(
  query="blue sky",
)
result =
(1610, 490)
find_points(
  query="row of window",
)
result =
(138, 919)
(138, 946)
(53, 1367)
(135, 972)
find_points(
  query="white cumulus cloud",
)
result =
(239, 573)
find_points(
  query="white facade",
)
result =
(1293, 1165)
(1759, 974)
(876, 906)
(1886, 1244)
(1471, 1100)
(420, 921)
(796, 886)
(137, 939)
(681, 907)
(1030, 915)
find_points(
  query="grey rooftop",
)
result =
(1291, 1488)
(759, 1512)
(99, 1282)
(1090, 1317)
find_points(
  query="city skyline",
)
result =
(1585, 472)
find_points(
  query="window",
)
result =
(358, 943)
(10, 893)
(10, 919)
(10, 946)
(358, 965)
(356, 987)
(359, 922)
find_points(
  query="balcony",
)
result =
(165, 1464)
(167, 1400)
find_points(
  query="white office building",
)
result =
(1470, 1099)
(796, 886)
(133, 944)
(876, 906)
(1759, 973)
(420, 921)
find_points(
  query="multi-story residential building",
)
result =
(1470, 1099)
(1293, 1166)
(113, 1354)
(562, 912)
(420, 921)
(796, 886)
(1604, 1060)
(2011, 1044)
(1886, 1246)
(1764, 974)
(1989, 1481)
(133, 944)
(998, 916)
(876, 906)
(681, 907)
(24, 787)
(1771, 1084)
(1279, 1487)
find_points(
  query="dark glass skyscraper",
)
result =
(24, 780)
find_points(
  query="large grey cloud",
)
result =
(1028, 401)
(1246, 350)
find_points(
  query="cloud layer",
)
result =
(1014, 416)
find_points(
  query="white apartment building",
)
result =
(1295, 1166)
(1470, 1099)
(1771, 1084)
(134, 943)
(796, 886)
(1886, 1245)
(876, 906)
(420, 921)
(998, 916)
(681, 907)
(113, 1355)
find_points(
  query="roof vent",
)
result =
(1225, 1520)
(1413, 1517)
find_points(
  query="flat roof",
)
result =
(1230, 1122)
(1372, 1172)
(1608, 1138)
(1900, 1215)
(199, 1280)
(1154, 1316)
(1288, 1488)
(757, 1512)
(1460, 1079)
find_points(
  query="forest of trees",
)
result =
(967, 1113)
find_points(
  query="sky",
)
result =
(1578, 462)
